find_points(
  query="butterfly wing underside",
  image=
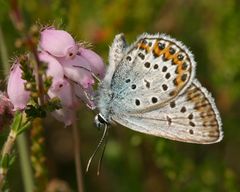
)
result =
(151, 89)
(154, 70)
(192, 117)
(116, 54)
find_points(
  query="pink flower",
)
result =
(96, 62)
(64, 93)
(72, 69)
(78, 70)
(55, 69)
(58, 43)
(16, 89)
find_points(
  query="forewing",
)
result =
(154, 70)
(192, 117)
(116, 54)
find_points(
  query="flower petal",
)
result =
(96, 62)
(64, 92)
(58, 43)
(78, 71)
(55, 69)
(16, 89)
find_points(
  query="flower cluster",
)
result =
(72, 68)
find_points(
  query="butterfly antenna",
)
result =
(98, 146)
(103, 151)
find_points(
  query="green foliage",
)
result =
(33, 110)
(134, 162)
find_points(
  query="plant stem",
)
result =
(78, 166)
(39, 79)
(25, 163)
(6, 152)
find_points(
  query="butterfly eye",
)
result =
(100, 121)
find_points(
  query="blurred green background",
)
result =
(133, 161)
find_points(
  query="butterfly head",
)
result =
(100, 121)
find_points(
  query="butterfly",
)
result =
(150, 87)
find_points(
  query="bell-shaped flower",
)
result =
(96, 62)
(78, 70)
(64, 92)
(16, 88)
(68, 101)
(55, 69)
(58, 43)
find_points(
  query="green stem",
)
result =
(25, 163)
(23, 151)
(5, 157)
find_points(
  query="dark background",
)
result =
(133, 161)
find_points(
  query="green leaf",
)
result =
(24, 127)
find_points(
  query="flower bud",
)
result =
(16, 89)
